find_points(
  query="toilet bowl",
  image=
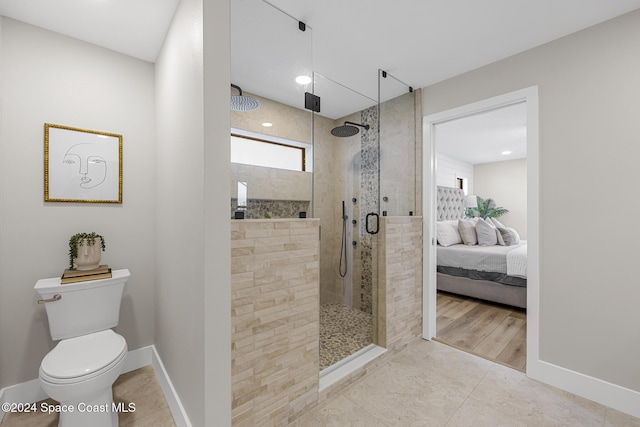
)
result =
(80, 371)
(79, 374)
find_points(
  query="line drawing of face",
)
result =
(91, 167)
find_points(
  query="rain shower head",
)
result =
(243, 103)
(347, 129)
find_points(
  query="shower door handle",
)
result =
(366, 222)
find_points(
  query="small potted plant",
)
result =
(84, 250)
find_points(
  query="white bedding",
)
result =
(517, 261)
(510, 260)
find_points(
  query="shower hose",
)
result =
(343, 246)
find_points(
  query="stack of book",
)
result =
(71, 275)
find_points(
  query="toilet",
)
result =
(80, 371)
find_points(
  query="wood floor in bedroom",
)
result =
(492, 331)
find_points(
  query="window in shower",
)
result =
(260, 152)
(271, 175)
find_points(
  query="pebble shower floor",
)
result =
(343, 331)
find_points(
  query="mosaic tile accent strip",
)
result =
(343, 331)
(257, 209)
(369, 201)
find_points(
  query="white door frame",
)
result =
(530, 96)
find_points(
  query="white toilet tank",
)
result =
(84, 307)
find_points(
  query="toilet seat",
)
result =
(84, 357)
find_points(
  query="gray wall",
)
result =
(193, 331)
(172, 229)
(47, 77)
(589, 101)
(217, 263)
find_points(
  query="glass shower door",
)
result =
(399, 159)
(346, 199)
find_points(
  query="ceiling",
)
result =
(133, 27)
(422, 42)
(490, 136)
(419, 42)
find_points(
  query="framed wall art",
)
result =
(82, 166)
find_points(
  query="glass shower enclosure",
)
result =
(400, 156)
(359, 163)
(346, 199)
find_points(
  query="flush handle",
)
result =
(56, 297)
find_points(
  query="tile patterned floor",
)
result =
(139, 387)
(343, 331)
(432, 384)
(426, 384)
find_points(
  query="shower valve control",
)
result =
(354, 222)
(354, 243)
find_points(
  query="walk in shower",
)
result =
(364, 167)
(358, 163)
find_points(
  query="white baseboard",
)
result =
(170, 394)
(27, 392)
(614, 396)
(31, 391)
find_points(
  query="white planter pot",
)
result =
(88, 255)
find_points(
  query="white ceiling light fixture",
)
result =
(506, 153)
(267, 124)
(303, 80)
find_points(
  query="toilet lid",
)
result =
(84, 355)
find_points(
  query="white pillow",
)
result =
(509, 235)
(447, 233)
(467, 230)
(497, 223)
(487, 233)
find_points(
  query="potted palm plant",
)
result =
(85, 250)
(487, 209)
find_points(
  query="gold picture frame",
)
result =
(81, 165)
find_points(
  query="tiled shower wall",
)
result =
(275, 319)
(275, 335)
(344, 169)
(399, 281)
(369, 202)
(261, 209)
(399, 292)
(398, 154)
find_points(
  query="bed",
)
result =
(494, 273)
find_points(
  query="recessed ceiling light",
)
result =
(303, 80)
(506, 153)
(267, 124)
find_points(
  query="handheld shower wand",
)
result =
(343, 246)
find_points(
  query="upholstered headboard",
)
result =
(450, 203)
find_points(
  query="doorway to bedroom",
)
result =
(476, 288)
